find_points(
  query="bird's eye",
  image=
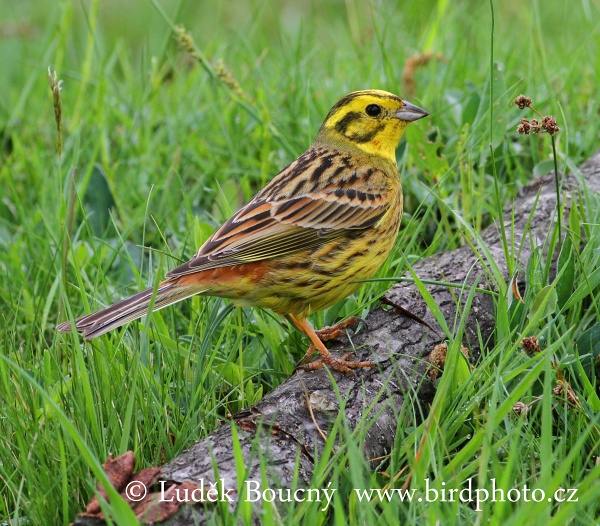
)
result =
(372, 110)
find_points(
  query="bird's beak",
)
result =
(410, 112)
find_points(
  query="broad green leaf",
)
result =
(544, 303)
(566, 272)
(98, 201)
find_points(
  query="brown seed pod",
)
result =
(524, 127)
(535, 126)
(549, 125)
(522, 102)
(531, 345)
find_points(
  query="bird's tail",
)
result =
(129, 309)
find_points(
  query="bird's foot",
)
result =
(343, 364)
(327, 334)
(332, 332)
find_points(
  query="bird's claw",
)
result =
(332, 332)
(327, 334)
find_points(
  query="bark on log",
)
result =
(398, 345)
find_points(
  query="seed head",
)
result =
(563, 388)
(185, 41)
(523, 102)
(56, 88)
(524, 127)
(227, 78)
(437, 358)
(536, 126)
(549, 125)
(531, 345)
(521, 408)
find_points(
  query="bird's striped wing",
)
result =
(267, 229)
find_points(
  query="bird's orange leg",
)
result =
(342, 365)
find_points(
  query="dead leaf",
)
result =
(158, 507)
(514, 285)
(118, 470)
(414, 62)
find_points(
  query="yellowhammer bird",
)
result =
(323, 224)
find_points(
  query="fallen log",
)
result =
(298, 412)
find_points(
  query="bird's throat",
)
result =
(381, 142)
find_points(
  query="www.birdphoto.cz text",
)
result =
(253, 491)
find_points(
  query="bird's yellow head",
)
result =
(370, 120)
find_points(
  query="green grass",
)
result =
(158, 151)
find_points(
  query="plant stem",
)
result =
(557, 186)
(498, 203)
